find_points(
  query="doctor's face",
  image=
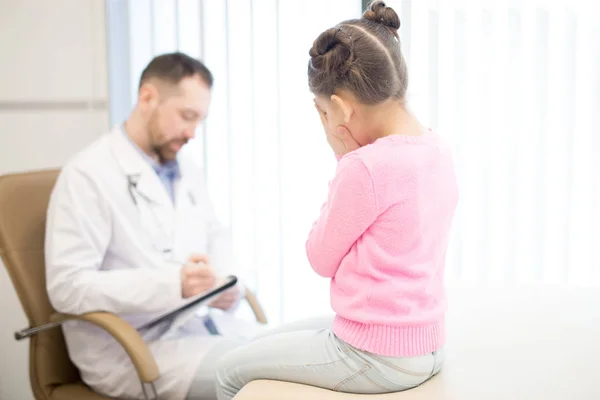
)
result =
(173, 122)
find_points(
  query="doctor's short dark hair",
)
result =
(173, 67)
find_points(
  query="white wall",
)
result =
(53, 101)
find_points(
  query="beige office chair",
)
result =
(23, 202)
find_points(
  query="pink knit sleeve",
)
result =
(350, 209)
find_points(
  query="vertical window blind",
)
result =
(512, 85)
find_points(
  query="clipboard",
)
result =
(194, 302)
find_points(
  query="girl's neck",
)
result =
(392, 118)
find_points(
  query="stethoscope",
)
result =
(135, 194)
(132, 181)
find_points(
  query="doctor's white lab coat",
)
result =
(105, 253)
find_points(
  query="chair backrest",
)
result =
(24, 201)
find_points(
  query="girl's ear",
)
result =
(346, 108)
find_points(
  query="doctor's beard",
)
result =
(168, 151)
(164, 150)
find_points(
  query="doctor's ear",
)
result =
(148, 96)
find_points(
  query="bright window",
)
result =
(513, 85)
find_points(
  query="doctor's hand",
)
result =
(226, 299)
(197, 276)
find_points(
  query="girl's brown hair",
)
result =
(361, 56)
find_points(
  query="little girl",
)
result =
(381, 236)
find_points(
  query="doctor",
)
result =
(131, 231)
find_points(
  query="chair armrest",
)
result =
(126, 335)
(255, 306)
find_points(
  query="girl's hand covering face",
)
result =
(339, 138)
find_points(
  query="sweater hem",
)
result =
(391, 341)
